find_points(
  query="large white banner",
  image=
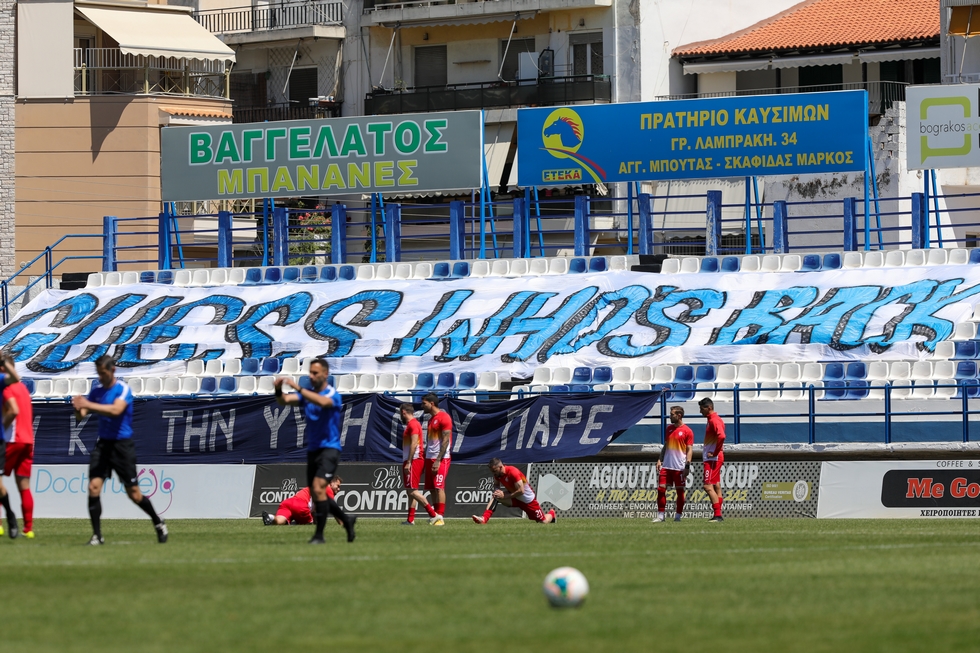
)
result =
(901, 489)
(510, 326)
(177, 492)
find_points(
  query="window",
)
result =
(972, 241)
(247, 90)
(512, 67)
(821, 75)
(430, 65)
(586, 53)
(302, 86)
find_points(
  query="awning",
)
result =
(815, 60)
(157, 33)
(496, 145)
(964, 21)
(904, 54)
(727, 66)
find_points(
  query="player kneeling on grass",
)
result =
(298, 509)
(674, 464)
(512, 489)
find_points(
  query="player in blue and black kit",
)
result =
(112, 400)
(321, 408)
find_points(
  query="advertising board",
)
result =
(943, 126)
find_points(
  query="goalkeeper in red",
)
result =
(674, 464)
(512, 489)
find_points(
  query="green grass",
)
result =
(745, 585)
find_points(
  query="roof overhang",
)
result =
(832, 59)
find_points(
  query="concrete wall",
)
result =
(7, 157)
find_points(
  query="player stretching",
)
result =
(18, 428)
(112, 400)
(675, 463)
(440, 437)
(321, 407)
(519, 494)
(713, 455)
(412, 466)
(298, 509)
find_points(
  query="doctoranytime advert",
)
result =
(629, 489)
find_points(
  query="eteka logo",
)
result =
(942, 129)
(563, 134)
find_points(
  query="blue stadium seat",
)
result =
(228, 384)
(425, 381)
(328, 273)
(309, 274)
(250, 366)
(271, 365)
(965, 350)
(705, 374)
(857, 389)
(833, 372)
(440, 270)
(684, 374)
(709, 264)
(730, 264)
(597, 264)
(831, 261)
(582, 375)
(811, 263)
(970, 386)
(290, 275)
(346, 273)
(165, 276)
(253, 277)
(29, 384)
(681, 392)
(579, 387)
(559, 388)
(445, 381)
(834, 390)
(209, 385)
(577, 266)
(966, 370)
(466, 380)
(975, 256)
(602, 375)
(856, 371)
(146, 276)
(272, 275)
(461, 269)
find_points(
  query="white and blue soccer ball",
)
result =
(566, 587)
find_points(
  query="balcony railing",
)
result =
(453, 97)
(105, 71)
(281, 15)
(881, 95)
(276, 112)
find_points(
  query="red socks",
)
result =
(441, 509)
(411, 513)
(680, 502)
(486, 515)
(429, 509)
(661, 499)
(27, 507)
(717, 507)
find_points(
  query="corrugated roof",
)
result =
(828, 24)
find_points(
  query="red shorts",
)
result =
(295, 511)
(674, 477)
(20, 457)
(712, 472)
(437, 480)
(532, 510)
(411, 476)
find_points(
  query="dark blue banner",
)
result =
(258, 430)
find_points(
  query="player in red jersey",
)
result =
(440, 437)
(514, 490)
(713, 455)
(298, 509)
(18, 432)
(674, 464)
(412, 464)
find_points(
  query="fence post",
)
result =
(338, 234)
(918, 221)
(457, 230)
(582, 225)
(393, 233)
(163, 242)
(225, 240)
(645, 224)
(713, 236)
(780, 234)
(109, 243)
(280, 232)
(520, 229)
(850, 227)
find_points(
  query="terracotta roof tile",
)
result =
(198, 113)
(829, 24)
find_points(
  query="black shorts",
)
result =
(321, 463)
(3, 453)
(114, 456)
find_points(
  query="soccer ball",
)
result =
(566, 587)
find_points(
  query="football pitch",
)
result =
(744, 585)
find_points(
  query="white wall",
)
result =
(716, 82)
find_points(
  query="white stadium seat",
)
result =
(670, 266)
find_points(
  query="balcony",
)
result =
(462, 12)
(107, 71)
(322, 19)
(275, 112)
(881, 95)
(490, 95)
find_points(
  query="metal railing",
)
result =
(881, 95)
(105, 71)
(274, 112)
(282, 15)
(546, 91)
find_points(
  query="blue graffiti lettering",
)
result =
(419, 339)
(831, 321)
(668, 331)
(752, 324)
(376, 305)
(546, 334)
(254, 341)
(919, 318)
(67, 312)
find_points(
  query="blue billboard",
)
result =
(787, 134)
